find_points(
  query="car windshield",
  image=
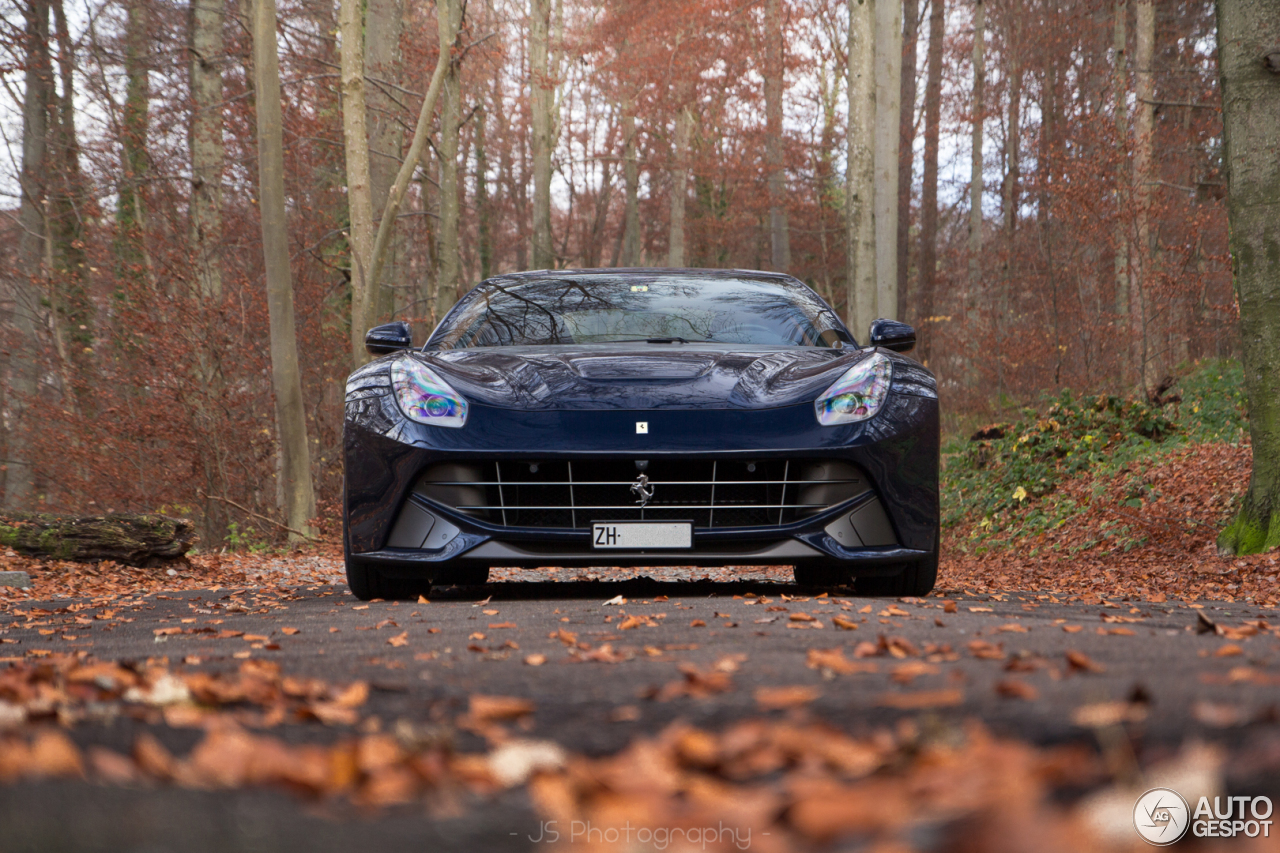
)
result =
(656, 309)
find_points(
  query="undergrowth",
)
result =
(1004, 481)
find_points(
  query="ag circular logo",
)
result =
(1161, 816)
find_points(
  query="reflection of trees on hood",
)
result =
(601, 309)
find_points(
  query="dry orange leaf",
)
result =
(791, 696)
(401, 639)
(492, 708)
(1013, 688)
(922, 699)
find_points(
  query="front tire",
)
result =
(916, 579)
(821, 575)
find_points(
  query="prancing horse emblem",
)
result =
(643, 490)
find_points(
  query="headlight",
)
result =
(425, 397)
(858, 394)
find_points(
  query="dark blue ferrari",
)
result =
(640, 418)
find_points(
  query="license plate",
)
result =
(607, 534)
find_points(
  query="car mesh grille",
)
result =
(710, 493)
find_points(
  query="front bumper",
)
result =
(385, 455)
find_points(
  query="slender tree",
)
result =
(976, 139)
(773, 72)
(631, 176)
(299, 502)
(206, 145)
(888, 89)
(929, 193)
(27, 310)
(1249, 62)
(1150, 355)
(132, 258)
(679, 187)
(355, 132)
(450, 19)
(860, 243)
(906, 143)
(542, 103)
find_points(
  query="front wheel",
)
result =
(822, 575)
(916, 579)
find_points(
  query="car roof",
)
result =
(649, 273)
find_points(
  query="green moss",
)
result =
(1246, 535)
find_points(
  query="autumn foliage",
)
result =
(1098, 268)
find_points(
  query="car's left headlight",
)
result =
(858, 394)
(424, 397)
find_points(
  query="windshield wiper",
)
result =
(673, 339)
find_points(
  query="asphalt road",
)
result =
(1002, 660)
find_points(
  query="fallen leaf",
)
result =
(840, 622)
(949, 607)
(922, 699)
(616, 600)
(1100, 715)
(697, 623)
(1073, 629)
(775, 698)
(401, 639)
(1079, 661)
(1013, 688)
(291, 631)
(535, 659)
(491, 708)
(1229, 650)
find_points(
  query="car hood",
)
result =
(649, 376)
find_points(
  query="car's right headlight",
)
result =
(424, 397)
(858, 394)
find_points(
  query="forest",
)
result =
(207, 204)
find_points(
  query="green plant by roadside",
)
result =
(1004, 479)
(247, 539)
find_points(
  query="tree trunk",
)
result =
(418, 144)
(131, 255)
(206, 145)
(773, 71)
(72, 304)
(679, 188)
(1013, 130)
(450, 18)
(1249, 63)
(888, 89)
(355, 135)
(383, 25)
(543, 100)
(299, 503)
(929, 192)
(1120, 100)
(483, 223)
(906, 147)
(134, 540)
(860, 244)
(975, 150)
(23, 368)
(631, 173)
(1151, 355)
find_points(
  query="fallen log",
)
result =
(143, 539)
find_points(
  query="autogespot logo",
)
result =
(1161, 816)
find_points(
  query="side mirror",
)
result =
(388, 338)
(893, 335)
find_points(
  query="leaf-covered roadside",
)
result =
(1080, 502)
(1004, 478)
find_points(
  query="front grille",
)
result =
(710, 493)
